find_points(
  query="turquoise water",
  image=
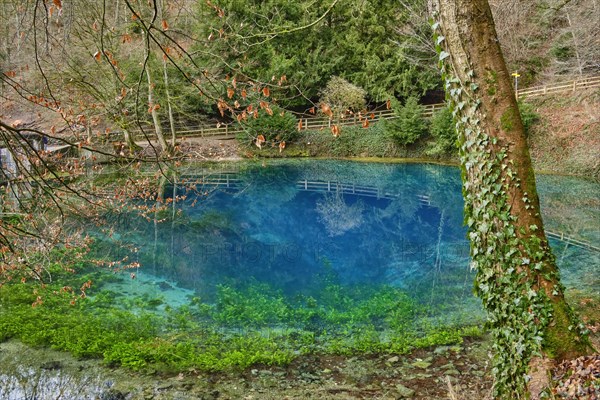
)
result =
(291, 231)
(257, 263)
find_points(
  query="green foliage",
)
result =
(135, 335)
(409, 124)
(443, 131)
(354, 141)
(280, 126)
(529, 116)
(373, 141)
(355, 41)
(342, 96)
(562, 49)
(255, 306)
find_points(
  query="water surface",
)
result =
(296, 228)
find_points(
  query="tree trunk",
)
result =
(153, 108)
(575, 44)
(169, 106)
(153, 111)
(517, 277)
(161, 14)
(130, 141)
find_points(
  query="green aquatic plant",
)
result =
(243, 326)
(258, 305)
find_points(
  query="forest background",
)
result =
(137, 70)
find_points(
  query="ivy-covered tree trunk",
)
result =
(517, 277)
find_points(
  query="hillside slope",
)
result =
(567, 138)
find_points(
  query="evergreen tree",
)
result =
(409, 124)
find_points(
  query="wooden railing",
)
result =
(229, 131)
(354, 189)
(572, 241)
(315, 123)
(569, 86)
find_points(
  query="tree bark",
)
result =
(152, 108)
(169, 106)
(517, 277)
(153, 111)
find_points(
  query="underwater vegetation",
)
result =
(243, 326)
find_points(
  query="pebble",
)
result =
(452, 371)
(404, 392)
(421, 364)
(164, 386)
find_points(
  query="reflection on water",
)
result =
(289, 224)
(283, 225)
(26, 374)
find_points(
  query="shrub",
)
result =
(528, 115)
(443, 131)
(354, 141)
(280, 126)
(409, 124)
(342, 96)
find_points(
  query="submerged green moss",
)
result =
(243, 327)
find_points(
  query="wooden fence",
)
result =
(229, 131)
(315, 123)
(354, 189)
(569, 86)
